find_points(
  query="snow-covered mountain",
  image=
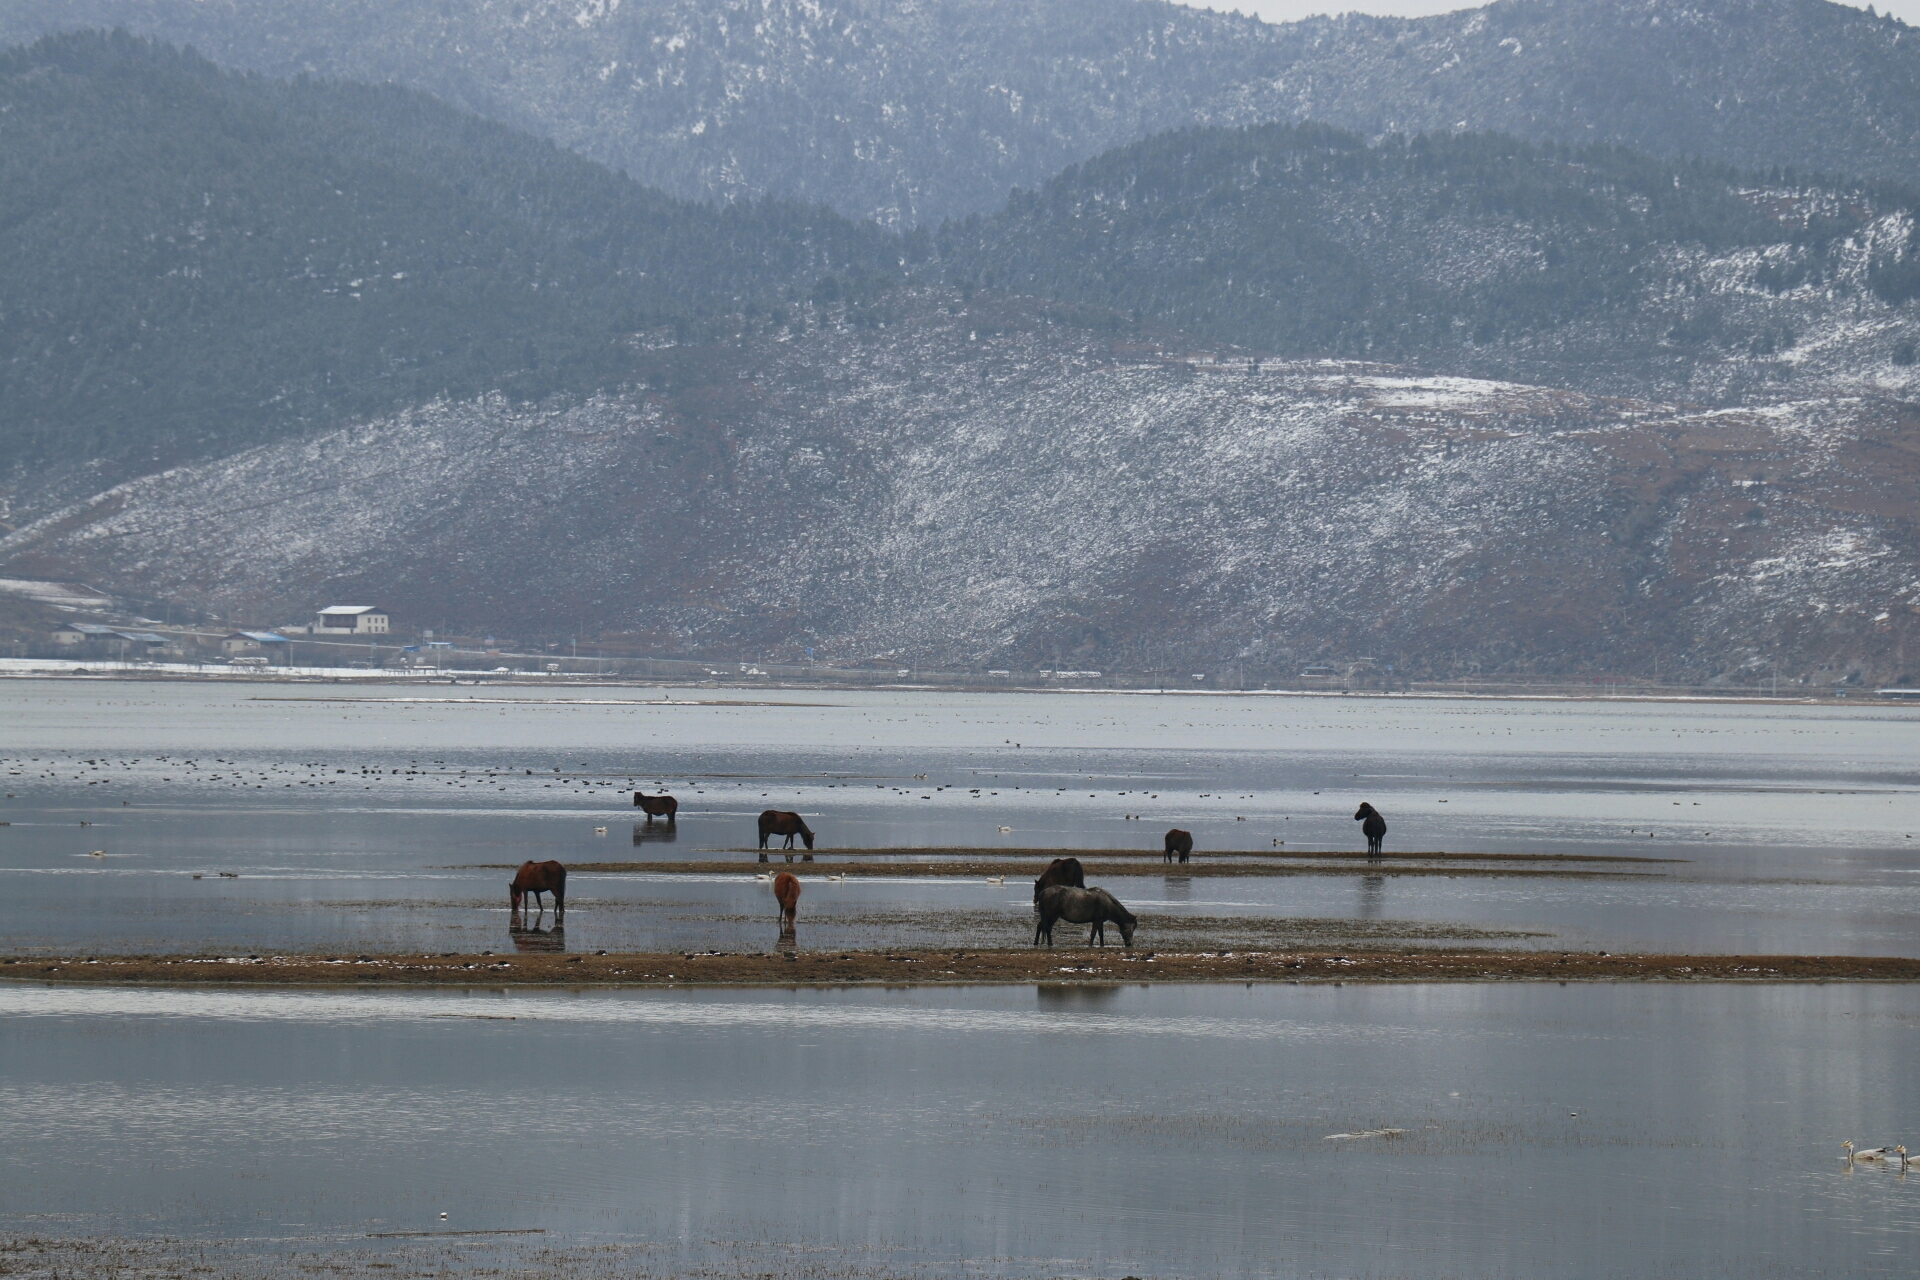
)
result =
(979, 484)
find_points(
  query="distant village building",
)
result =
(350, 620)
(76, 634)
(93, 639)
(254, 644)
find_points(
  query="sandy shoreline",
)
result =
(904, 967)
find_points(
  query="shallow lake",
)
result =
(333, 818)
(1538, 1130)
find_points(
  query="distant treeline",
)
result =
(1308, 240)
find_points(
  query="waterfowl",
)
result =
(996, 879)
(837, 879)
(599, 831)
(763, 876)
(96, 853)
(1004, 830)
(1869, 1153)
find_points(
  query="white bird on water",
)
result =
(763, 876)
(837, 879)
(996, 879)
(1870, 1153)
(1004, 830)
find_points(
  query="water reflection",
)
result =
(1063, 996)
(1373, 896)
(1179, 888)
(534, 938)
(656, 834)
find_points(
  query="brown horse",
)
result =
(537, 878)
(1372, 826)
(781, 822)
(786, 890)
(1066, 871)
(658, 807)
(1180, 842)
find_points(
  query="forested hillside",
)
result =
(1592, 266)
(193, 260)
(912, 111)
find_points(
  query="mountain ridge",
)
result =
(914, 111)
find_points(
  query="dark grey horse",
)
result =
(1083, 906)
(1372, 826)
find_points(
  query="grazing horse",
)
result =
(778, 822)
(658, 807)
(1180, 842)
(1373, 826)
(537, 878)
(786, 890)
(1062, 871)
(1083, 906)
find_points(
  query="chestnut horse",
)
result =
(1066, 871)
(1372, 826)
(658, 807)
(537, 878)
(786, 890)
(781, 822)
(1180, 842)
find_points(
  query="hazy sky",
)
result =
(1287, 10)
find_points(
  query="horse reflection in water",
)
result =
(645, 834)
(536, 939)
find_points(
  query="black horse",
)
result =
(1373, 826)
(1066, 871)
(1180, 842)
(784, 822)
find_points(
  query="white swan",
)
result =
(1870, 1153)
(837, 879)
(763, 876)
(996, 879)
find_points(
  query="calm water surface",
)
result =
(1548, 1131)
(1179, 1131)
(356, 818)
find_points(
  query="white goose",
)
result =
(1869, 1154)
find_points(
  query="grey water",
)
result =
(314, 817)
(1537, 1129)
